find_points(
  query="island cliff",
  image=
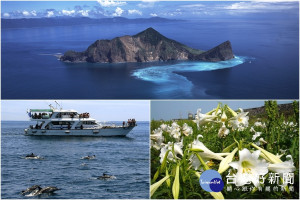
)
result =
(148, 45)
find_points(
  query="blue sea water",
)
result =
(127, 158)
(269, 68)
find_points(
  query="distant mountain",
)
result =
(148, 45)
(69, 21)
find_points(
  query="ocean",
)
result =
(126, 158)
(266, 64)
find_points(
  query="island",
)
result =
(146, 46)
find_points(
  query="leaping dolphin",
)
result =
(36, 190)
(31, 189)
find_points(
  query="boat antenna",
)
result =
(51, 107)
(57, 104)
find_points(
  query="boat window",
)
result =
(89, 122)
(62, 123)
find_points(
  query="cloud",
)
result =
(118, 12)
(193, 6)
(84, 13)
(68, 12)
(33, 13)
(131, 12)
(153, 14)
(25, 13)
(255, 7)
(149, 4)
(6, 15)
(110, 3)
(50, 13)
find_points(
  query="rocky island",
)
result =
(146, 46)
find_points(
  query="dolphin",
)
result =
(49, 189)
(31, 189)
(106, 177)
(88, 157)
(36, 190)
(32, 156)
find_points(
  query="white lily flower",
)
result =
(216, 113)
(257, 134)
(187, 130)
(201, 118)
(249, 168)
(195, 162)
(175, 125)
(252, 129)
(241, 110)
(175, 133)
(206, 154)
(284, 167)
(223, 117)
(157, 138)
(223, 131)
(262, 141)
(240, 121)
(258, 124)
(163, 152)
(164, 127)
(177, 150)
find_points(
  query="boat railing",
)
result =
(69, 116)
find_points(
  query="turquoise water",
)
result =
(171, 82)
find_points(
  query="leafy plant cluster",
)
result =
(179, 158)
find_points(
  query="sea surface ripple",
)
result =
(126, 158)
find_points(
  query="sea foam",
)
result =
(173, 84)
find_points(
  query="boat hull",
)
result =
(103, 132)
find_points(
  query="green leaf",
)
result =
(156, 185)
(176, 184)
(156, 174)
(227, 149)
(202, 162)
(197, 150)
(164, 162)
(168, 181)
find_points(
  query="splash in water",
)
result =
(172, 84)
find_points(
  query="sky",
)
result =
(101, 110)
(145, 9)
(168, 110)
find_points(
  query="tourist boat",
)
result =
(58, 122)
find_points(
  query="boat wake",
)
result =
(172, 84)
